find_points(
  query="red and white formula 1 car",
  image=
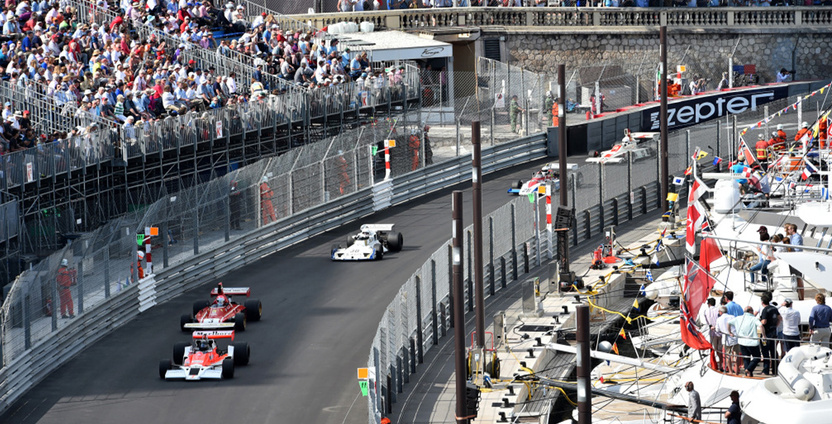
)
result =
(203, 358)
(549, 174)
(222, 312)
(630, 143)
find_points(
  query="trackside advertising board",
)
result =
(697, 109)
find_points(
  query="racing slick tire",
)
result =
(200, 305)
(350, 241)
(179, 352)
(227, 368)
(379, 253)
(164, 366)
(517, 184)
(395, 241)
(239, 321)
(254, 310)
(332, 251)
(185, 319)
(241, 353)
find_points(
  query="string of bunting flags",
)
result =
(792, 106)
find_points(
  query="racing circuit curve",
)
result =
(319, 319)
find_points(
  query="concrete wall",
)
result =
(704, 51)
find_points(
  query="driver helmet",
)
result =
(221, 300)
(203, 343)
(805, 124)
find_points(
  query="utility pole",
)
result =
(564, 199)
(663, 119)
(459, 309)
(476, 179)
(584, 365)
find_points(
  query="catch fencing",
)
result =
(204, 231)
(193, 220)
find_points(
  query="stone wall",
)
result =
(706, 55)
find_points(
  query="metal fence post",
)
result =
(630, 193)
(55, 303)
(602, 181)
(513, 244)
(433, 303)
(27, 322)
(80, 284)
(419, 341)
(107, 271)
(470, 279)
(687, 145)
(491, 255)
(451, 281)
(227, 225)
(196, 230)
(502, 272)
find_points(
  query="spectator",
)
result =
(694, 403)
(734, 413)
(765, 254)
(770, 319)
(783, 75)
(730, 348)
(819, 319)
(791, 325)
(745, 328)
(795, 239)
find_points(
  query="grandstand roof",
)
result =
(397, 45)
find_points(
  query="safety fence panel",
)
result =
(589, 185)
(616, 179)
(645, 170)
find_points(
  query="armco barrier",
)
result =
(25, 371)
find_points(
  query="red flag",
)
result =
(708, 253)
(697, 286)
(696, 213)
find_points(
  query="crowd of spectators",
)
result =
(112, 74)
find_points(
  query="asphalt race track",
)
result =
(319, 319)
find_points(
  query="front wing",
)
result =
(353, 254)
(194, 373)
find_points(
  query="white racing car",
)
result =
(630, 143)
(549, 174)
(371, 243)
(204, 359)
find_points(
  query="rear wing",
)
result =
(377, 227)
(555, 166)
(208, 326)
(233, 291)
(214, 335)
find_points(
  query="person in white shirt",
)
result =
(791, 325)
(783, 75)
(232, 85)
(730, 346)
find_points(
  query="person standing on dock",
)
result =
(694, 403)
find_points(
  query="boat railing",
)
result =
(779, 353)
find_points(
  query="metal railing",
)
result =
(713, 18)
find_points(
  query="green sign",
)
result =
(140, 239)
(365, 387)
(374, 150)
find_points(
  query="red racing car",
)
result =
(222, 312)
(203, 358)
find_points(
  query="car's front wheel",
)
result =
(164, 366)
(227, 368)
(254, 310)
(241, 353)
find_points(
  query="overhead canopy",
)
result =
(396, 45)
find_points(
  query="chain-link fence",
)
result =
(101, 263)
